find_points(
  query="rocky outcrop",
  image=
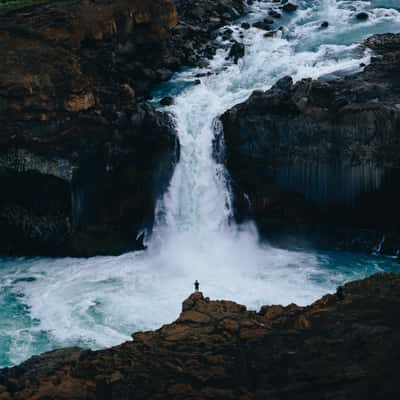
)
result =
(86, 185)
(199, 20)
(320, 158)
(344, 346)
(82, 161)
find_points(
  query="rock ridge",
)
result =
(343, 346)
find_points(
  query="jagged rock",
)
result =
(236, 52)
(339, 347)
(320, 159)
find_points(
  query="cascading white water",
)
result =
(99, 301)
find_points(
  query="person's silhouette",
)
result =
(196, 285)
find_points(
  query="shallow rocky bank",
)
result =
(317, 161)
(82, 162)
(344, 346)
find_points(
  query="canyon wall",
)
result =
(82, 159)
(81, 162)
(320, 158)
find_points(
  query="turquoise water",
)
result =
(45, 304)
(99, 302)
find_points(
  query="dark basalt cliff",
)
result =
(320, 158)
(82, 162)
(346, 346)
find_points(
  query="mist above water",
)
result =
(98, 302)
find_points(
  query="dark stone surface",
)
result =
(89, 190)
(237, 52)
(320, 159)
(345, 346)
(290, 7)
(362, 16)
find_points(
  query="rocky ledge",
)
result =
(344, 346)
(319, 159)
(82, 160)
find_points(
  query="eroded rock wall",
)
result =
(73, 76)
(320, 158)
(81, 162)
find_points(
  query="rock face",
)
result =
(85, 186)
(81, 161)
(81, 164)
(344, 346)
(321, 158)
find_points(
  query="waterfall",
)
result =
(198, 200)
(100, 301)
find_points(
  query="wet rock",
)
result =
(167, 101)
(289, 7)
(347, 344)
(237, 52)
(227, 34)
(270, 34)
(200, 22)
(265, 24)
(324, 25)
(274, 14)
(362, 16)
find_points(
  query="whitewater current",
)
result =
(99, 302)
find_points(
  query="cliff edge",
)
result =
(319, 159)
(344, 346)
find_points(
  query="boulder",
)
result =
(265, 24)
(237, 52)
(362, 16)
(274, 14)
(167, 101)
(289, 7)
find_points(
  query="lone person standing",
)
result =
(196, 285)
